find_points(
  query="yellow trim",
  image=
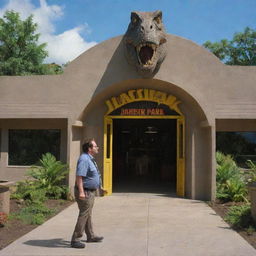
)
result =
(144, 95)
(107, 169)
(180, 184)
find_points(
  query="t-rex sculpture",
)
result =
(145, 42)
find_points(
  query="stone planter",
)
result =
(252, 194)
(5, 196)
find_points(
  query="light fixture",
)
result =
(126, 131)
(151, 130)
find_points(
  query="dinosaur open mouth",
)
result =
(145, 53)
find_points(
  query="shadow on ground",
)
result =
(51, 243)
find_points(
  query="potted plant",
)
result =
(252, 186)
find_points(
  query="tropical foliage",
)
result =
(46, 180)
(50, 175)
(34, 214)
(252, 171)
(230, 181)
(240, 217)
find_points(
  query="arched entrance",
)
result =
(138, 128)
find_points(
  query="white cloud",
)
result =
(58, 45)
(70, 42)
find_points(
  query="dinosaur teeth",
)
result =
(146, 54)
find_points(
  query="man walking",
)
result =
(88, 180)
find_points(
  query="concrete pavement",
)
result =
(138, 225)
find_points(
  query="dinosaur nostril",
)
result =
(142, 28)
(151, 27)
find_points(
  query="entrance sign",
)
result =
(142, 112)
(144, 108)
(143, 95)
(144, 104)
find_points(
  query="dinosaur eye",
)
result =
(158, 20)
(134, 20)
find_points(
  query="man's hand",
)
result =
(83, 195)
(103, 191)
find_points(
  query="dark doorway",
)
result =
(144, 155)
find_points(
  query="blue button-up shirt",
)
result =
(87, 168)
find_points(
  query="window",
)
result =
(27, 146)
(241, 145)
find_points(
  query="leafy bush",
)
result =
(240, 217)
(233, 190)
(50, 175)
(252, 171)
(34, 214)
(230, 182)
(46, 181)
(226, 168)
(29, 190)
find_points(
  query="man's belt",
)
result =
(90, 189)
(87, 189)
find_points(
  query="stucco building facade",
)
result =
(100, 95)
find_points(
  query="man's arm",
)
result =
(102, 191)
(79, 183)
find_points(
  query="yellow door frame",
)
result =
(108, 143)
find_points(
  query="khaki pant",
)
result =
(84, 220)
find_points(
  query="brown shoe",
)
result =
(95, 239)
(77, 245)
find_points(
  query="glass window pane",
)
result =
(241, 145)
(27, 146)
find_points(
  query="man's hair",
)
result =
(87, 144)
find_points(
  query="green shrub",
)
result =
(252, 172)
(233, 190)
(29, 190)
(50, 175)
(46, 181)
(240, 217)
(226, 168)
(34, 214)
(230, 181)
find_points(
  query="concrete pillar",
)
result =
(5, 196)
(75, 138)
(204, 156)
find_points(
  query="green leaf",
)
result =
(20, 52)
(241, 50)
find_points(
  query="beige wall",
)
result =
(236, 125)
(222, 91)
(208, 90)
(198, 136)
(15, 173)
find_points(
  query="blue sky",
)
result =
(84, 23)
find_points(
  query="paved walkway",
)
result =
(138, 225)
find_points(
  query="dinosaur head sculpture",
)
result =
(145, 42)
